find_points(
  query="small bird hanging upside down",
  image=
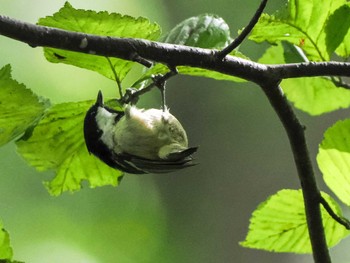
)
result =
(136, 140)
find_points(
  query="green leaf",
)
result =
(313, 95)
(303, 24)
(57, 143)
(337, 28)
(279, 224)
(344, 48)
(316, 95)
(5, 248)
(98, 23)
(205, 31)
(334, 158)
(19, 107)
(291, 53)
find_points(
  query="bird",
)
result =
(137, 141)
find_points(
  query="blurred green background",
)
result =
(195, 215)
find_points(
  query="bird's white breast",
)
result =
(106, 122)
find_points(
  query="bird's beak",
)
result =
(99, 100)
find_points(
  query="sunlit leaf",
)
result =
(303, 24)
(80, 166)
(5, 248)
(313, 95)
(279, 224)
(98, 23)
(316, 95)
(57, 143)
(334, 159)
(19, 107)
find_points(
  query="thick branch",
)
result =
(311, 193)
(169, 54)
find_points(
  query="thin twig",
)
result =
(157, 80)
(132, 95)
(341, 220)
(339, 82)
(245, 32)
(119, 84)
(137, 58)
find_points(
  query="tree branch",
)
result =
(169, 54)
(311, 193)
(310, 69)
(245, 32)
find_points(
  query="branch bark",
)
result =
(311, 193)
(169, 54)
(266, 76)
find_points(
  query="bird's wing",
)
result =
(176, 161)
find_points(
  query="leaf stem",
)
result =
(119, 84)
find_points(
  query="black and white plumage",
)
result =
(136, 140)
